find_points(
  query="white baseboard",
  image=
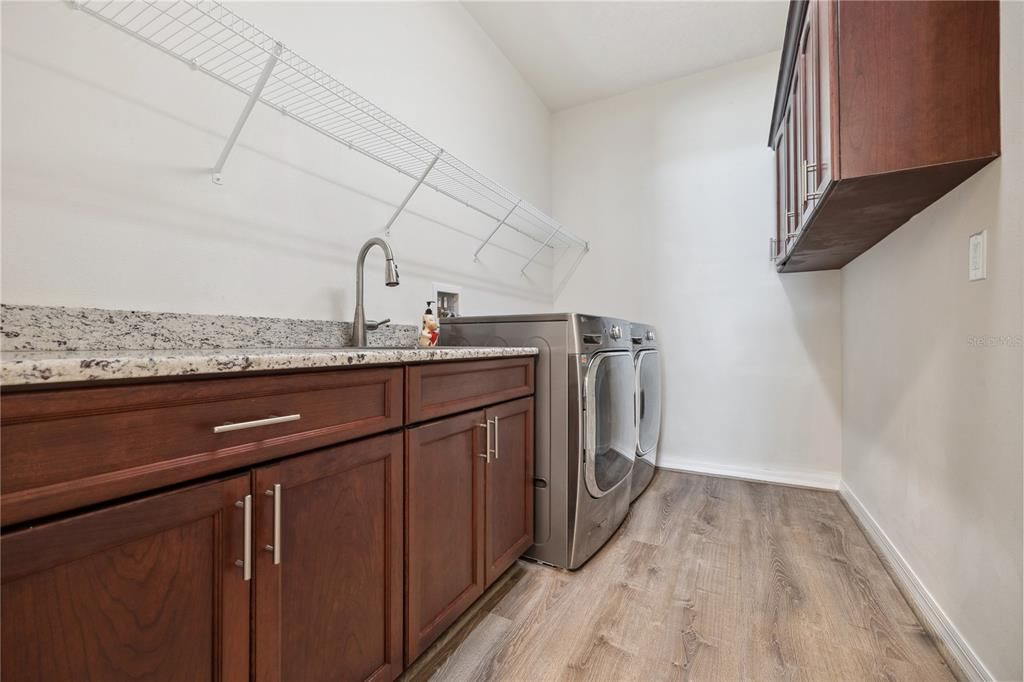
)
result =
(805, 479)
(924, 604)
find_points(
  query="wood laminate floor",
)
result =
(708, 579)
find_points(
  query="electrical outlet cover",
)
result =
(977, 256)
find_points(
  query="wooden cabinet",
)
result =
(508, 486)
(71, 447)
(342, 561)
(469, 512)
(151, 589)
(444, 539)
(146, 590)
(882, 107)
(437, 390)
(328, 573)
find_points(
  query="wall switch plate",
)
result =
(977, 255)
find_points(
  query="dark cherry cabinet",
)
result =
(147, 590)
(469, 506)
(444, 530)
(508, 486)
(882, 107)
(338, 543)
(328, 567)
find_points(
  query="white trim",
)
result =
(936, 620)
(823, 480)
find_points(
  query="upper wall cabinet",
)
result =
(881, 108)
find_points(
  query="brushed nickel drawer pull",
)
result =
(224, 428)
(276, 547)
(495, 436)
(246, 561)
(486, 454)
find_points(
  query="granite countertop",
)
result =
(52, 367)
(44, 345)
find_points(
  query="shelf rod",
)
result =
(419, 181)
(254, 97)
(541, 248)
(495, 230)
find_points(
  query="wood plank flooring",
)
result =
(708, 579)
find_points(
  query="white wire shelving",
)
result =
(214, 40)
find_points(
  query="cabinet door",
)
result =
(328, 596)
(793, 170)
(806, 107)
(782, 220)
(508, 489)
(143, 590)
(444, 531)
(821, 16)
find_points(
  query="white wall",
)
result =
(107, 198)
(932, 422)
(673, 185)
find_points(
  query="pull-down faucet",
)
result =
(359, 324)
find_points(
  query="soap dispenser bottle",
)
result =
(430, 329)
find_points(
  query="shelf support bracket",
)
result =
(254, 97)
(572, 270)
(497, 227)
(419, 181)
(539, 249)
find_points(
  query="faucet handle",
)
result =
(371, 325)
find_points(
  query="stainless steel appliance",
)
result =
(585, 430)
(648, 405)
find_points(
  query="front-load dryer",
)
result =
(585, 430)
(648, 405)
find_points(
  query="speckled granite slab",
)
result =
(33, 328)
(53, 367)
(42, 345)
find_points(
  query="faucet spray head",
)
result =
(390, 273)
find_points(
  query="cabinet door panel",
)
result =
(146, 590)
(782, 222)
(444, 525)
(509, 486)
(810, 96)
(331, 609)
(822, 17)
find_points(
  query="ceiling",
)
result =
(572, 53)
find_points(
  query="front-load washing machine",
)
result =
(648, 405)
(585, 430)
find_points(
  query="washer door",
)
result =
(610, 427)
(648, 401)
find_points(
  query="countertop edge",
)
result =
(44, 368)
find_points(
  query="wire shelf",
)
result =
(212, 39)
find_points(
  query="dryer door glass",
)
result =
(648, 400)
(611, 435)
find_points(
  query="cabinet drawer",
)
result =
(437, 390)
(72, 447)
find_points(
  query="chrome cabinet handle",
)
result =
(224, 428)
(275, 492)
(246, 561)
(486, 454)
(496, 436)
(803, 183)
(809, 169)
